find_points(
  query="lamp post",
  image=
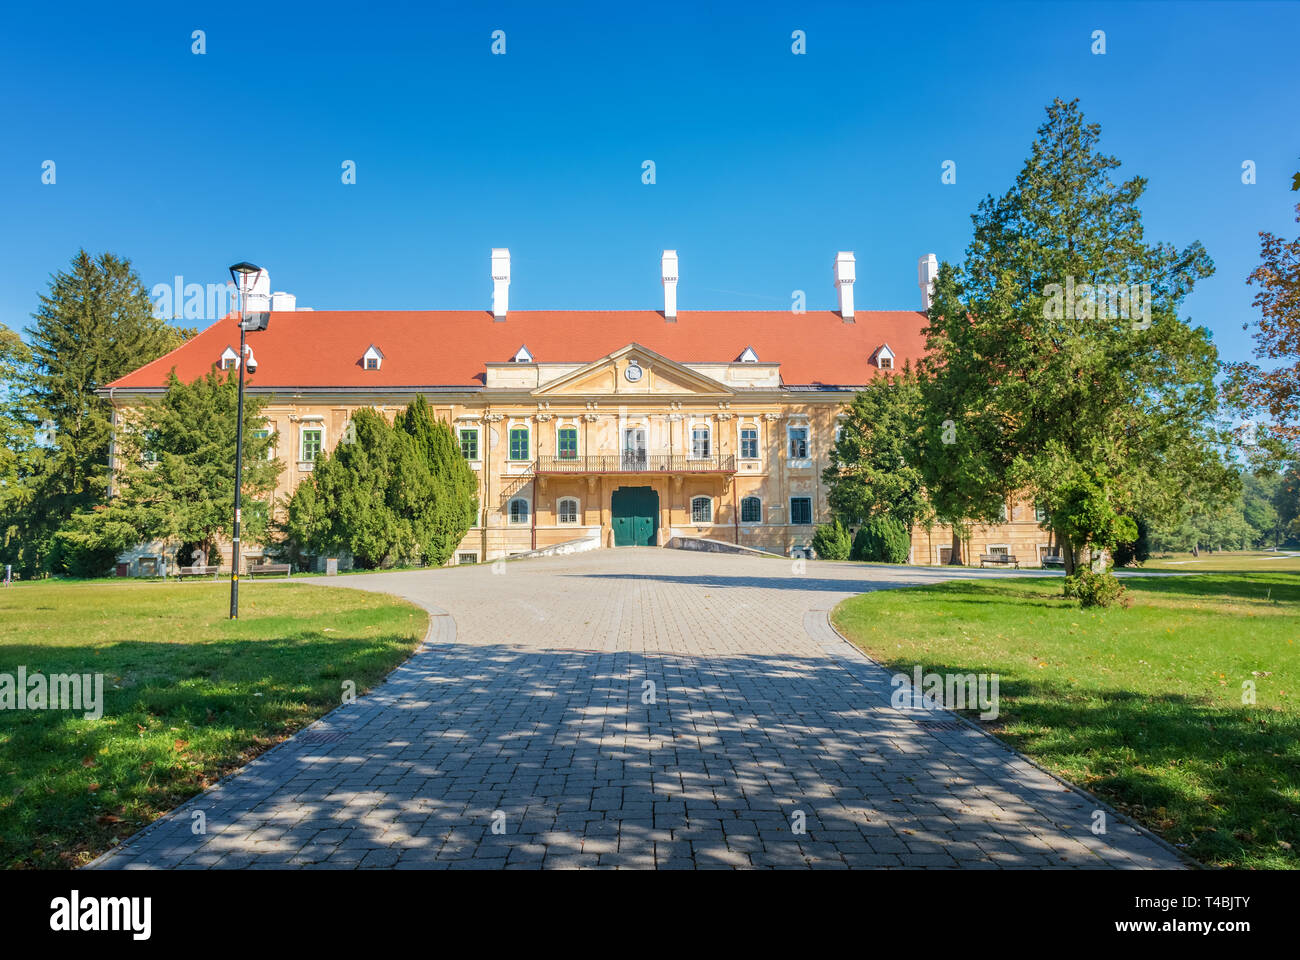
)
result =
(240, 273)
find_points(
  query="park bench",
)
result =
(1053, 560)
(268, 568)
(198, 570)
(999, 560)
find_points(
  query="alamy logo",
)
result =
(73, 914)
(58, 691)
(946, 691)
(1099, 301)
(193, 301)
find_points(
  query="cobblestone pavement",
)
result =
(525, 734)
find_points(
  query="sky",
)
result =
(766, 162)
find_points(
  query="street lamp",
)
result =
(240, 273)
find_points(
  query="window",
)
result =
(700, 442)
(372, 363)
(886, 363)
(999, 550)
(568, 443)
(467, 558)
(701, 510)
(945, 555)
(799, 443)
(749, 443)
(311, 442)
(751, 510)
(1040, 513)
(518, 443)
(469, 443)
(1003, 516)
(373, 358)
(567, 511)
(518, 510)
(263, 435)
(801, 510)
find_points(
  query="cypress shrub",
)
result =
(881, 540)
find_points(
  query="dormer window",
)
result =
(522, 355)
(373, 358)
(229, 358)
(885, 357)
(749, 356)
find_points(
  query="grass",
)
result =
(188, 695)
(1142, 706)
(1281, 561)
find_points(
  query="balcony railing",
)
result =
(637, 463)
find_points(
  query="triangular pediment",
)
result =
(633, 370)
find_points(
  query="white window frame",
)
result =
(268, 434)
(807, 441)
(992, 548)
(510, 511)
(577, 511)
(939, 548)
(302, 441)
(793, 523)
(740, 441)
(707, 500)
(462, 554)
(708, 439)
(372, 353)
(577, 445)
(519, 425)
(478, 441)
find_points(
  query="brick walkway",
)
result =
(526, 713)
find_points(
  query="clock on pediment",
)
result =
(633, 371)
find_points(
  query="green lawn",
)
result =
(1281, 561)
(1143, 706)
(188, 695)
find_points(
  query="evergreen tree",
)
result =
(1098, 405)
(22, 457)
(94, 325)
(831, 541)
(175, 478)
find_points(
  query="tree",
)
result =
(831, 541)
(1057, 359)
(387, 494)
(94, 325)
(874, 468)
(1276, 390)
(22, 458)
(882, 539)
(175, 478)
(450, 506)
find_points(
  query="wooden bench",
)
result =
(268, 568)
(999, 560)
(1053, 560)
(198, 570)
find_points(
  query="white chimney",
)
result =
(281, 301)
(845, 274)
(257, 293)
(927, 270)
(669, 265)
(500, 282)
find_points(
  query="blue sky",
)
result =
(766, 162)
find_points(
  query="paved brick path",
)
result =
(526, 711)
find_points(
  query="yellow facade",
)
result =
(695, 440)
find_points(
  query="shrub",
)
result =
(831, 541)
(882, 540)
(1093, 589)
(89, 544)
(1134, 551)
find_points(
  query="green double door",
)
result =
(635, 515)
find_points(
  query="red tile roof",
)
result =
(323, 348)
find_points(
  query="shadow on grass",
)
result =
(1219, 781)
(176, 717)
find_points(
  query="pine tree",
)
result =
(94, 325)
